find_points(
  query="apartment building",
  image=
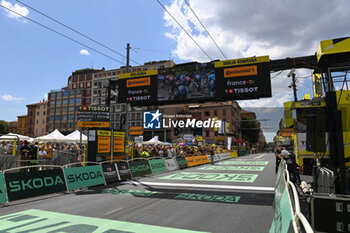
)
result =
(40, 119)
(21, 124)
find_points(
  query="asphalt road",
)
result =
(235, 195)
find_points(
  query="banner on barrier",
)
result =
(170, 164)
(157, 165)
(124, 171)
(110, 173)
(191, 161)
(83, 177)
(283, 218)
(182, 162)
(3, 198)
(21, 185)
(140, 168)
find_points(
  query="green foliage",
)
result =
(4, 128)
(250, 131)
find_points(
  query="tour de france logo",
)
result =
(151, 120)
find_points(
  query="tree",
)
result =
(4, 128)
(250, 130)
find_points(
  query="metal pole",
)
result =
(294, 88)
(112, 144)
(127, 104)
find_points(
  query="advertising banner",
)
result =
(191, 161)
(21, 185)
(140, 168)
(186, 82)
(110, 173)
(119, 141)
(138, 88)
(170, 164)
(244, 78)
(157, 165)
(3, 198)
(182, 162)
(82, 177)
(124, 170)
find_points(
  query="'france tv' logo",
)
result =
(151, 120)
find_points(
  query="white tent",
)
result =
(55, 136)
(153, 141)
(75, 137)
(13, 136)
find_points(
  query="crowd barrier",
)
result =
(42, 179)
(287, 216)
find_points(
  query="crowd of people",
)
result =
(145, 151)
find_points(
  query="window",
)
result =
(59, 94)
(36, 131)
(224, 112)
(207, 133)
(215, 113)
(31, 113)
(95, 75)
(51, 118)
(65, 93)
(44, 113)
(99, 75)
(57, 118)
(104, 74)
(71, 109)
(64, 117)
(42, 130)
(88, 77)
(37, 121)
(79, 92)
(70, 125)
(88, 92)
(81, 85)
(78, 100)
(95, 84)
(82, 78)
(58, 110)
(72, 93)
(43, 121)
(71, 101)
(65, 102)
(64, 110)
(88, 84)
(58, 102)
(74, 86)
(57, 125)
(206, 113)
(52, 103)
(88, 100)
(70, 117)
(38, 107)
(37, 113)
(75, 78)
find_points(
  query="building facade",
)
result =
(21, 124)
(13, 126)
(40, 119)
(31, 111)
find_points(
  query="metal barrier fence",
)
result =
(325, 182)
(288, 217)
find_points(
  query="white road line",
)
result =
(260, 156)
(210, 186)
(113, 211)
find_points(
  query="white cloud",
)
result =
(84, 52)
(8, 97)
(17, 8)
(255, 28)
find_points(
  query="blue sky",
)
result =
(34, 60)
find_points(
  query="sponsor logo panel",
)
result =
(157, 165)
(3, 198)
(110, 173)
(140, 168)
(124, 170)
(222, 177)
(82, 177)
(182, 162)
(22, 185)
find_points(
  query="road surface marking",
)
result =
(209, 186)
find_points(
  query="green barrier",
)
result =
(157, 165)
(283, 218)
(83, 177)
(3, 198)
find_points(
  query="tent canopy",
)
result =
(75, 136)
(55, 136)
(153, 141)
(14, 136)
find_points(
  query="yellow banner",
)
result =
(103, 144)
(119, 134)
(138, 82)
(242, 61)
(103, 133)
(119, 144)
(191, 161)
(240, 71)
(138, 74)
(93, 124)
